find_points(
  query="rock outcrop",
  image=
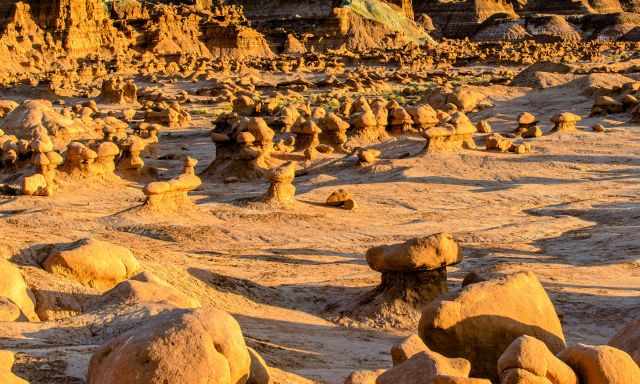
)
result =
(183, 346)
(94, 263)
(482, 320)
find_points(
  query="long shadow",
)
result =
(308, 298)
(397, 175)
(580, 159)
(307, 348)
(611, 240)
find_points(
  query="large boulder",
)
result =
(529, 357)
(601, 364)
(94, 263)
(628, 339)
(184, 346)
(6, 363)
(481, 321)
(15, 291)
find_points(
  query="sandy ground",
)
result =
(569, 211)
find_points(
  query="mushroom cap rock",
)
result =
(430, 252)
(566, 117)
(108, 149)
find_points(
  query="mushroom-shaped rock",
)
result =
(93, 263)
(282, 191)
(565, 122)
(413, 274)
(182, 346)
(526, 119)
(105, 162)
(6, 363)
(424, 116)
(366, 128)
(454, 136)
(35, 114)
(173, 195)
(531, 355)
(601, 364)
(14, 288)
(481, 321)
(424, 253)
(401, 121)
(334, 129)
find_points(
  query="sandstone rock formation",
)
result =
(14, 291)
(243, 150)
(94, 263)
(565, 122)
(528, 358)
(6, 363)
(172, 195)
(281, 192)
(454, 135)
(201, 346)
(485, 318)
(413, 274)
(601, 364)
(342, 199)
(32, 114)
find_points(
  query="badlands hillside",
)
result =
(320, 191)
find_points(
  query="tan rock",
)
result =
(9, 311)
(364, 377)
(147, 288)
(6, 363)
(601, 364)
(408, 347)
(532, 355)
(423, 367)
(173, 195)
(521, 376)
(14, 288)
(429, 252)
(368, 156)
(484, 126)
(483, 319)
(565, 122)
(94, 263)
(183, 346)
(282, 191)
